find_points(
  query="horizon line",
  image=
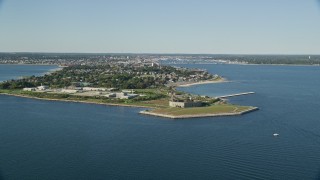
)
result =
(135, 53)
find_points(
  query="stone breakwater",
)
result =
(199, 115)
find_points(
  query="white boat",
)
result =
(276, 134)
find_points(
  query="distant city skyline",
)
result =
(150, 26)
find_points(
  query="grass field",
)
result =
(214, 109)
(159, 103)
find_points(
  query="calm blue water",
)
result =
(58, 140)
(8, 72)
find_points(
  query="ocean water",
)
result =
(59, 140)
(8, 72)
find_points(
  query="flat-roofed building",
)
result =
(29, 89)
(186, 104)
(70, 90)
(42, 88)
(94, 89)
(110, 95)
(125, 95)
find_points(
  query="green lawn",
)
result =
(159, 103)
(214, 109)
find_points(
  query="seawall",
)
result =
(199, 115)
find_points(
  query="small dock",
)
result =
(238, 94)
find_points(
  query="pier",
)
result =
(238, 94)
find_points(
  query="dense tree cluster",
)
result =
(108, 76)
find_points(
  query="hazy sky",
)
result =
(161, 26)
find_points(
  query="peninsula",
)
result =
(124, 83)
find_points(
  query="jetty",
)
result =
(238, 94)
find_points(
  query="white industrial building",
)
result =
(110, 95)
(42, 88)
(29, 89)
(94, 89)
(125, 95)
(70, 90)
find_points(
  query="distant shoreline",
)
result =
(54, 70)
(30, 64)
(312, 65)
(244, 64)
(74, 101)
(58, 68)
(222, 80)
